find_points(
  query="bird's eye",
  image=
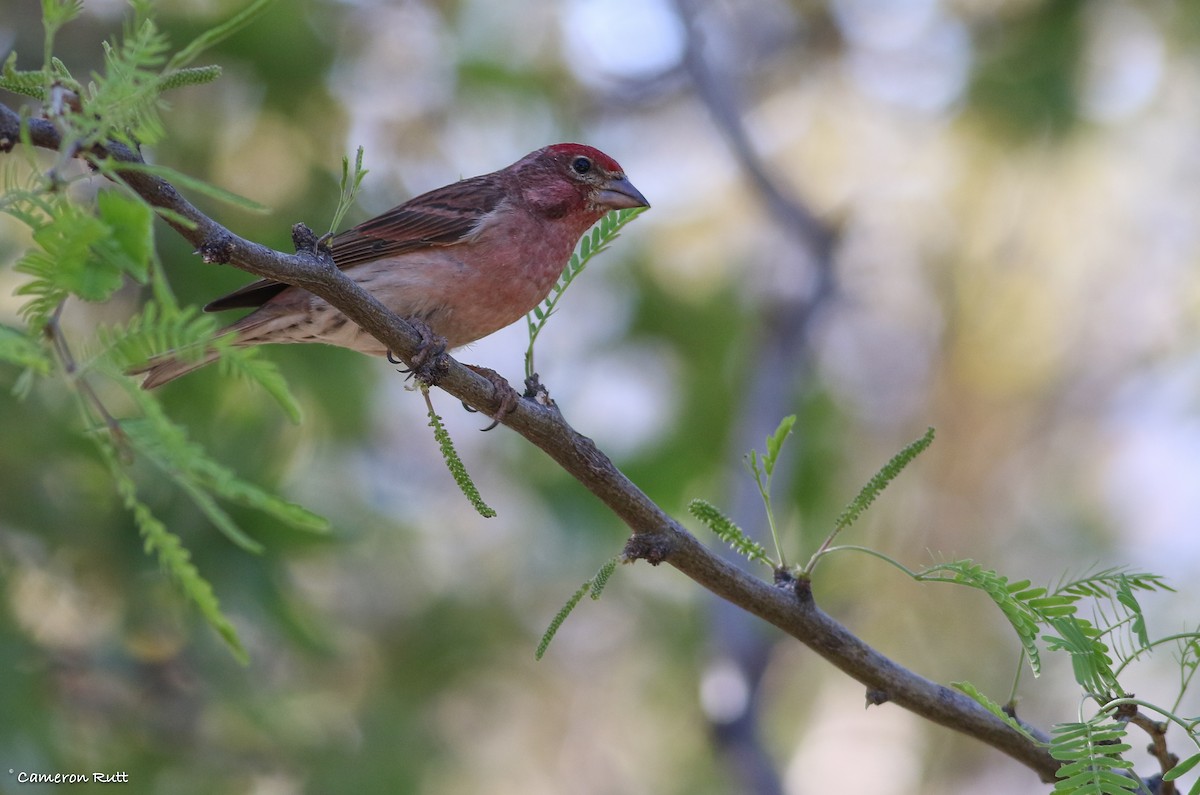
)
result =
(581, 165)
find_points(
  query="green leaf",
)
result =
(1129, 601)
(191, 76)
(589, 246)
(17, 348)
(131, 225)
(593, 586)
(173, 557)
(1092, 752)
(56, 13)
(1182, 767)
(220, 519)
(1089, 655)
(994, 708)
(881, 480)
(1093, 755)
(157, 329)
(775, 442)
(246, 363)
(63, 261)
(1023, 618)
(727, 531)
(28, 84)
(123, 102)
(179, 179)
(458, 470)
(600, 580)
(214, 36)
(166, 445)
(1105, 583)
(350, 184)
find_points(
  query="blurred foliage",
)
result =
(1025, 83)
(1035, 303)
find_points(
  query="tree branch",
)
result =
(656, 536)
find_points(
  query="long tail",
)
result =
(162, 369)
(168, 367)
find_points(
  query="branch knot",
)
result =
(217, 249)
(654, 548)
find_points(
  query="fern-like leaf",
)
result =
(1104, 583)
(166, 445)
(600, 581)
(126, 96)
(592, 587)
(215, 35)
(246, 363)
(881, 480)
(458, 470)
(191, 76)
(174, 558)
(1183, 767)
(59, 265)
(27, 84)
(1092, 756)
(727, 531)
(157, 329)
(1025, 608)
(17, 348)
(113, 169)
(1089, 654)
(351, 182)
(994, 708)
(601, 237)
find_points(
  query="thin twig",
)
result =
(91, 399)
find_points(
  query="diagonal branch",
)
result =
(656, 536)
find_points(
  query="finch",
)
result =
(464, 260)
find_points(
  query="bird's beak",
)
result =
(619, 194)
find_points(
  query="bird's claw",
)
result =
(428, 365)
(503, 391)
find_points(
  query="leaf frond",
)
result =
(593, 587)
(1091, 752)
(601, 237)
(458, 470)
(728, 531)
(881, 479)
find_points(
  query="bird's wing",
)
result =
(442, 217)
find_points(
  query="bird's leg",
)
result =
(428, 365)
(505, 394)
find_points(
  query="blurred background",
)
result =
(880, 215)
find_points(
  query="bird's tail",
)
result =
(168, 367)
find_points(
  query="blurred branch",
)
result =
(719, 98)
(775, 369)
(656, 536)
(1158, 747)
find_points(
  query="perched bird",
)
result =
(464, 260)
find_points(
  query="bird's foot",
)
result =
(502, 390)
(428, 365)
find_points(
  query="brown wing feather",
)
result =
(441, 217)
(253, 294)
